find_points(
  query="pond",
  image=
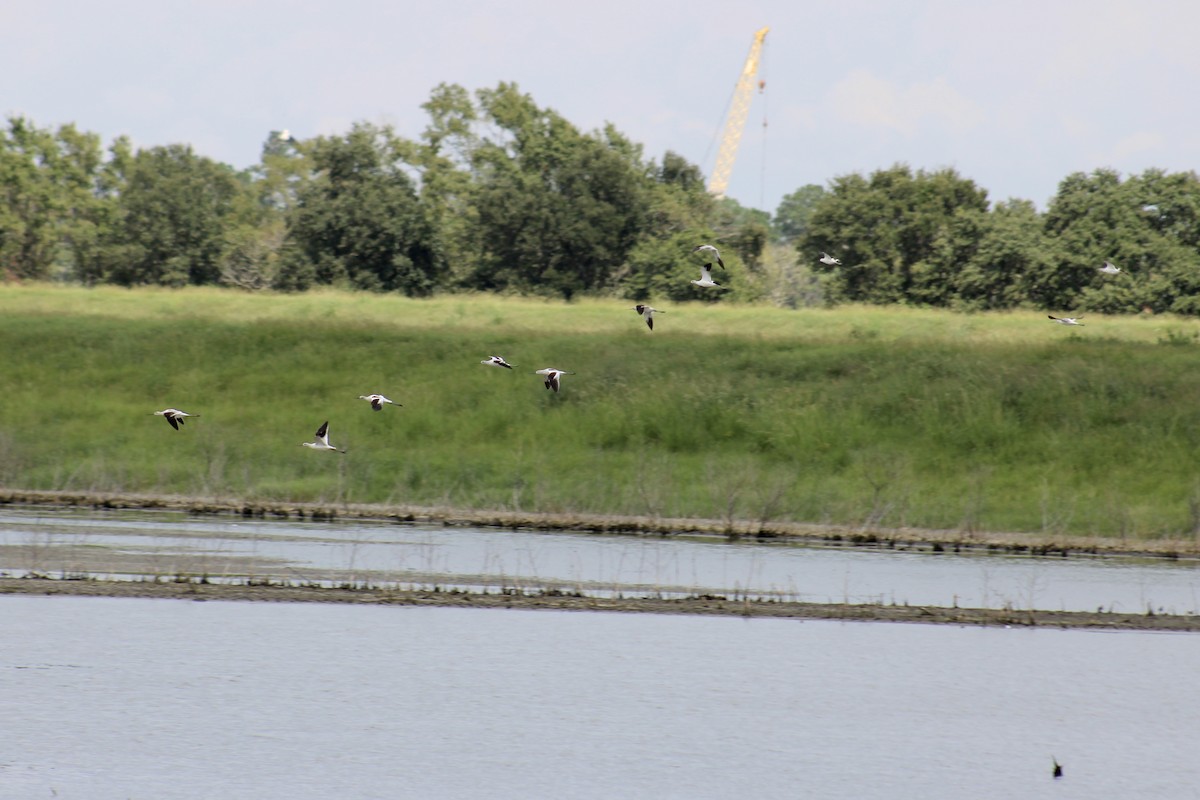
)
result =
(118, 698)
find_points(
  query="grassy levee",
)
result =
(856, 416)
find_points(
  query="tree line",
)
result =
(931, 238)
(499, 194)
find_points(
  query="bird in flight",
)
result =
(828, 259)
(553, 376)
(1057, 767)
(711, 254)
(174, 416)
(377, 401)
(496, 361)
(1066, 320)
(647, 313)
(322, 439)
(706, 277)
(1110, 269)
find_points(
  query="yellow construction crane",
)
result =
(739, 108)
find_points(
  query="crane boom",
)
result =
(739, 108)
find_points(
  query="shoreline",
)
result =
(197, 587)
(1036, 544)
(692, 606)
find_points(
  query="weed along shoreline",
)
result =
(904, 539)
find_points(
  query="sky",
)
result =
(1013, 94)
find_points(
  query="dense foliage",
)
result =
(498, 194)
(930, 238)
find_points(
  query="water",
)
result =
(117, 698)
(59, 542)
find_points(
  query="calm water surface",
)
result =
(58, 542)
(119, 698)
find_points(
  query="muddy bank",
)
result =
(902, 539)
(705, 606)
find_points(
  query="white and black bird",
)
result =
(1066, 320)
(710, 255)
(378, 401)
(285, 136)
(1110, 268)
(174, 416)
(496, 361)
(828, 259)
(647, 313)
(321, 442)
(706, 280)
(553, 376)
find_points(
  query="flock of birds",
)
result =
(552, 376)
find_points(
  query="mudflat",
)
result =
(703, 605)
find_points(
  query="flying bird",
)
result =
(648, 313)
(496, 361)
(1057, 767)
(1066, 320)
(174, 416)
(322, 440)
(828, 259)
(553, 376)
(711, 253)
(706, 277)
(377, 401)
(1109, 269)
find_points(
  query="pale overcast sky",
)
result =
(1015, 94)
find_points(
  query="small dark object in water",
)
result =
(1057, 767)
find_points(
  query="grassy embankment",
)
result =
(856, 416)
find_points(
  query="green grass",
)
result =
(891, 417)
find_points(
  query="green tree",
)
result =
(1002, 253)
(444, 161)
(28, 238)
(556, 209)
(173, 211)
(742, 230)
(49, 198)
(1147, 225)
(885, 230)
(680, 215)
(359, 221)
(791, 218)
(1170, 205)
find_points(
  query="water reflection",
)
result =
(363, 552)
